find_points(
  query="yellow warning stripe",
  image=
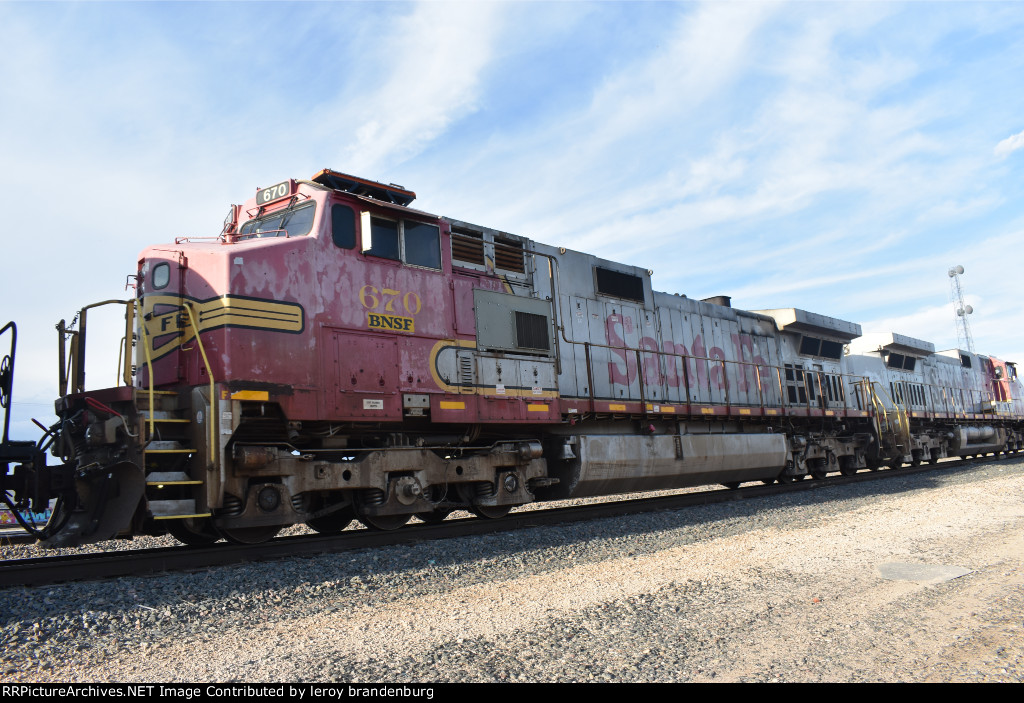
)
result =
(250, 395)
(168, 328)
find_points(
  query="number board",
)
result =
(265, 196)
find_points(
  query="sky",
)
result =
(835, 157)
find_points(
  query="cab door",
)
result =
(164, 323)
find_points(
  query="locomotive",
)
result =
(334, 354)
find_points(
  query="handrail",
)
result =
(149, 362)
(212, 419)
(7, 377)
(77, 356)
(756, 385)
(556, 300)
(633, 357)
(902, 421)
(129, 338)
(878, 412)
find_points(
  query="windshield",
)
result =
(293, 222)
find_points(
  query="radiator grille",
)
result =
(468, 246)
(508, 255)
(619, 285)
(532, 331)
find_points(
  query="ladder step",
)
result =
(157, 414)
(171, 478)
(162, 416)
(166, 476)
(164, 509)
(181, 517)
(167, 446)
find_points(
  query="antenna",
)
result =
(956, 295)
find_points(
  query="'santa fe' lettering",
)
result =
(703, 366)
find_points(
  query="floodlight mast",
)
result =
(956, 295)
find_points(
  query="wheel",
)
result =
(333, 523)
(434, 517)
(819, 472)
(491, 512)
(732, 485)
(250, 535)
(768, 481)
(384, 523)
(195, 533)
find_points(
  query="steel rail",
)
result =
(39, 571)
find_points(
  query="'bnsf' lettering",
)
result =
(389, 322)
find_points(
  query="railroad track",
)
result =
(39, 571)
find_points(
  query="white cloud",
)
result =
(431, 68)
(1009, 145)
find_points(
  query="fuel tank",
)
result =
(606, 464)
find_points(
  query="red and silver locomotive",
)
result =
(336, 354)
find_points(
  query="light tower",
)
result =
(956, 295)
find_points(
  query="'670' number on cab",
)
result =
(372, 298)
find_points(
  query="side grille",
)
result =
(508, 255)
(468, 246)
(532, 331)
(619, 285)
(465, 369)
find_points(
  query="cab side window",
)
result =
(413, 243)
(422, 245)
(384, 239)
(343, 226)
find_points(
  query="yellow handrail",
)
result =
(881, 412)
(129, 334)
(149, 362)
(212, 419)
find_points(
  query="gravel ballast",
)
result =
(786, 588)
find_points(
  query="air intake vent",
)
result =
(468, 246)
(619, 285)
(532, 331)
(815, 346)
(465, 369)
(508, 255)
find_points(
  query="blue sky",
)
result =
(836, 157)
